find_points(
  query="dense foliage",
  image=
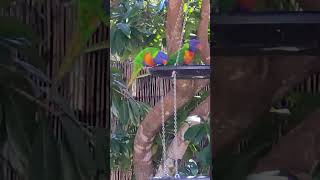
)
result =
(127, 113)
(136, 25)
(27, 141)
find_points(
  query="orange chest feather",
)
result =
(148, 60)
(188, 56)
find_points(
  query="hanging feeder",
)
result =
(177, 72)
(258, 33)
(182, 72)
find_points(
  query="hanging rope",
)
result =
(164, 154)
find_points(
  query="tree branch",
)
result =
(178, 147)
(244, 88)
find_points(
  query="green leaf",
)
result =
(204, 156)
(195, 133)
(63, 104)
(45, 156)
(5, 55)
(133, 13)
(100, 148)
(16, 34)
(10, 154)
(10, 78)
(17, 134)
(68, 164)
(79, 146)
(125, 29)
(11, 27)
(130, 112)
(125, 118)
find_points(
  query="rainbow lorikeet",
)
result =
(187, 53)
(148, 57)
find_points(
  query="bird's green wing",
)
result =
(138, 62)
(197, 59)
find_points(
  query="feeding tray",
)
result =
(266, 33)
(181, 178)
(182, 71)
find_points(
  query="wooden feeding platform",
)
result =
(182, 71)
(294, 33)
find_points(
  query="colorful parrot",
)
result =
(187, 53)
(148, 57)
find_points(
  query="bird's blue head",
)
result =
(194, 45)
(161, 58)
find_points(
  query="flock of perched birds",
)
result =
(151, 57)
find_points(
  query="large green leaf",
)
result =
(16, 34)
(78, 142)
(5, 55)
(11, 78)
(195, 133)
(9, 153)
(204, 156)
(91, 13)
(17, 135)
(68, 164)
(45, 156)
(101, 141)
(11, 28)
